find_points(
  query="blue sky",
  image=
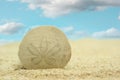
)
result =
(76, 18)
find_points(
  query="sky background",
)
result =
(76, 18)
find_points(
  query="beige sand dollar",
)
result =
(44, 47)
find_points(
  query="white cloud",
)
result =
(10, 28)
(54, 8)
(68, 29)
(11, 0)
(73, 33)
(118, 17)
(80, 33)
(110, 33)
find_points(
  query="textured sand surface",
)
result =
(91, 60)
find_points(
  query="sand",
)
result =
(91, 60)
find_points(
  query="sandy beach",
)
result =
(91, 60)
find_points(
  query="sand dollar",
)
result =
(44, 47)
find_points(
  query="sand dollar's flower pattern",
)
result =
(46, 52)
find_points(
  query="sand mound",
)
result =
(91, 60)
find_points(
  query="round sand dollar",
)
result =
(44, 47)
